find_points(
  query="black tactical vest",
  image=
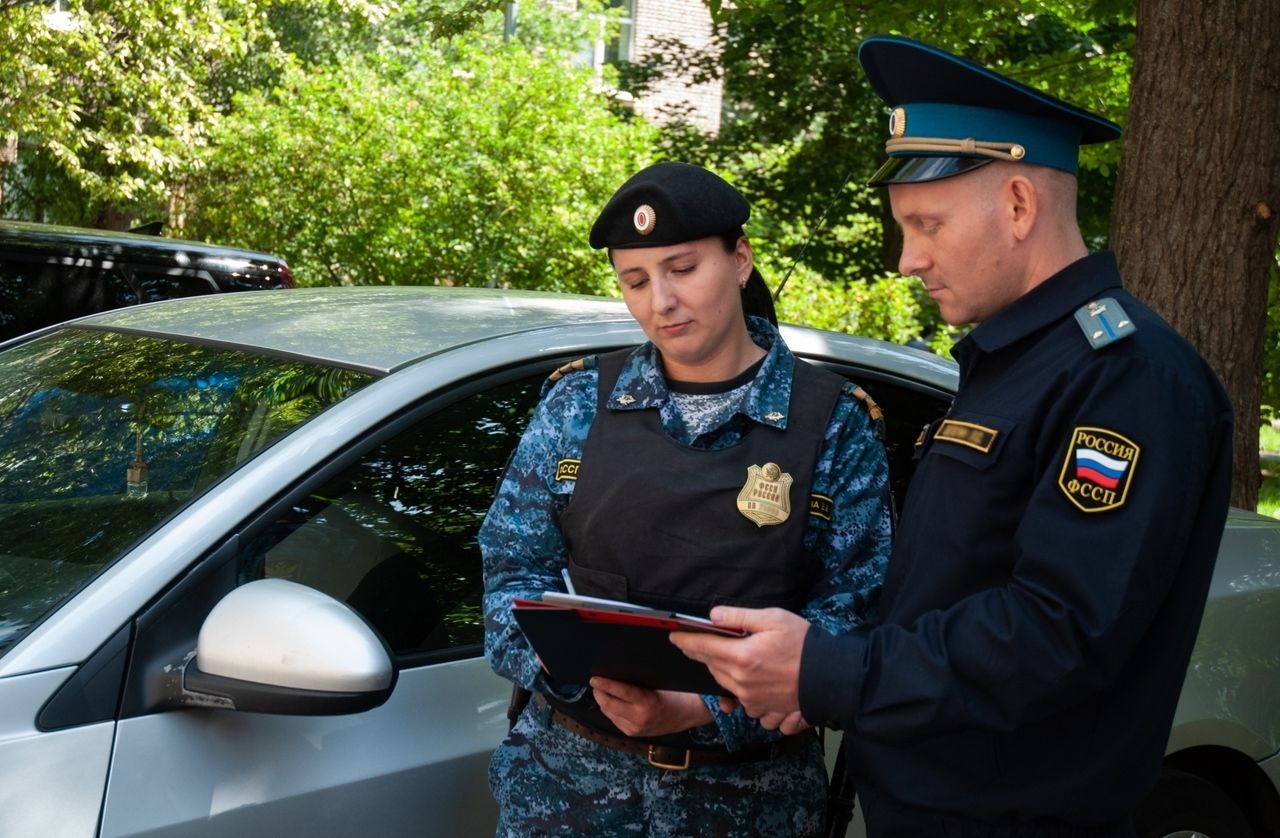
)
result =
(655, 522)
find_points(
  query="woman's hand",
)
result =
(638, 711)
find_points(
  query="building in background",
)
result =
(642, 25)
(690, 22)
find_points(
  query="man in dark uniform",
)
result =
(1059, 534)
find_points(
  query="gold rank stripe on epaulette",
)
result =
(821, 506)
(978, 437)
(572, 366)
(872, 408)
(567, 469)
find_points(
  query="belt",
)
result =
(680, 759)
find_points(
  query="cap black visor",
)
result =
(924, 169)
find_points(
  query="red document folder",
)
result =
(578, 637)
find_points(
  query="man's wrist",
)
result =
(829, 678)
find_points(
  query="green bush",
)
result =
(1271, 348)
(1269, 492)
(480, 164)
(1269, 438)
(883, 308)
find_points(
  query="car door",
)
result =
(390, 528)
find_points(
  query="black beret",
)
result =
(669, 203)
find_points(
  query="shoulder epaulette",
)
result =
(572, 366)
(872, 408)
(1104, 322)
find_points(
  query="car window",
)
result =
(35, 293)
(394, 534)
(906, 408)
(155, 283)
(104, 436)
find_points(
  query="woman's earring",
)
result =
(742, 283)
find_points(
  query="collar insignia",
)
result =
(775, 416)
(626, 399)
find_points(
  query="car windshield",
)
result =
(104, 436)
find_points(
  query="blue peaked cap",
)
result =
(951, 115)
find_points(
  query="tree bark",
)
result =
(1194, 223)
(8, 157)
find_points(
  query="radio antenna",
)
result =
(821, 223)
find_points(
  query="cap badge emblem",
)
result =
(644, 219)
(898, 122)
(766, 496)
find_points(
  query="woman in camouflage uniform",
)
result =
(662, 437)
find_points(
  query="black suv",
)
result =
(49, 274)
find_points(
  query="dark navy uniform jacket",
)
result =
(1050, 569)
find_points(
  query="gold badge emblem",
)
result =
(644, 219)
(766, 496)
(898, 122)
(1098, 469)
(567, 469)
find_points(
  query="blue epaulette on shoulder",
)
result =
(1104, 322)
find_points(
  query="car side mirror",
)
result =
(274, 646)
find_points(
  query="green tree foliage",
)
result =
(803, 130)
(885, 308)
(475, 164)
(107, 100)
(106, 107)
(1271, 348)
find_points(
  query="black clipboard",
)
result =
(577, 637)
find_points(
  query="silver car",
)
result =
(240, 589)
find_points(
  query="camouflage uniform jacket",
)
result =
(524, 551)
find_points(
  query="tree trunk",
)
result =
(1194, 222)
(8, 157)
(110, 217)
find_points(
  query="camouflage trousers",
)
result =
(551, 781)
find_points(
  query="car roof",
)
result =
(55, 240)
(376, 328)
(383, 328)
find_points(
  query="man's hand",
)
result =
(788, 723)
(762, 670)
(638, 711)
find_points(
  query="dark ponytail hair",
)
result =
(756, 298)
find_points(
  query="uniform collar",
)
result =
(1050, 301)
(641, 384)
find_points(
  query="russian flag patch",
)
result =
(1098, 469)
